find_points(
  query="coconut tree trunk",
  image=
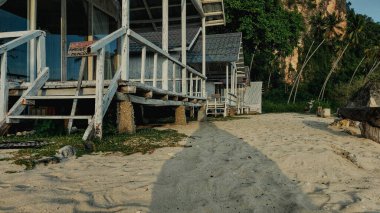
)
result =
(374, 67)
(356, 70)
(335, 65)
(302, 69)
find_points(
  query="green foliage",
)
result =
(144, 141)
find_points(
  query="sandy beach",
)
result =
(267, 163)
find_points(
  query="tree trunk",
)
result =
(302, 69)
(356, 70)
(335, 65)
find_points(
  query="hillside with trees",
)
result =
(306, 49)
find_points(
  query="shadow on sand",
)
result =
(223, 173)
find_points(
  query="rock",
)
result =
(24, 133)
(5, 156)
(66, 152)
(32, 132)
(19, 134)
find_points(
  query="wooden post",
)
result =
(90, 64)
(204, 55)
(183, 45)
(174, 77)
(143, 61)
(3, 87)
(125, 42)
(155, 58)
(32, 45)
(126, 117)
(41, 54)
(98, 124)
(63, 41)
(165, 43)
(180, 115)
(227, 82)
(202, 113)
(232, 80)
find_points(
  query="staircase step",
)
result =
(59, 97)
(48, 117)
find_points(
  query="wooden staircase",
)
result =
(17, 113)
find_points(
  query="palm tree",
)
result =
(354, 35)
(329, 28)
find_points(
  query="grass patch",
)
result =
(144, 141)
(228, 118)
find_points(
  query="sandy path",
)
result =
(268, 163)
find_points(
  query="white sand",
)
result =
(268, 163)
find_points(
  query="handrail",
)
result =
(106, 40)
(141, 40)
(21, 40)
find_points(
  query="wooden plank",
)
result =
(46, 117)
(32, 90)
(143, 65)
(77, 93)
(155, 58)
(63, 40)
(90, 65)
(3, 86)
(60, 97)
(157, 102)
(98, 123)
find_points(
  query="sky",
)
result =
(370, 8)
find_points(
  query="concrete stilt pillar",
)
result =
(126, 117)
(180, 115)
(202, 114)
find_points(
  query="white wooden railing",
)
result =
(193, 78)
(20, 38)
(103, 100)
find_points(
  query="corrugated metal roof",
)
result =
(219, 48)
(175, 38)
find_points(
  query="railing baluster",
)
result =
(174, 77)
(98, 124)
(196, 86)
(143, 61)
(155, 58)
(3, 86)
(191, 84)
(41, 54)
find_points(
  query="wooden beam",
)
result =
(148, 21)
(198, 6)
(149, 14)
(174, 78)
(165, 43)
(20, 41)
(13, 34)
(63, 40)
